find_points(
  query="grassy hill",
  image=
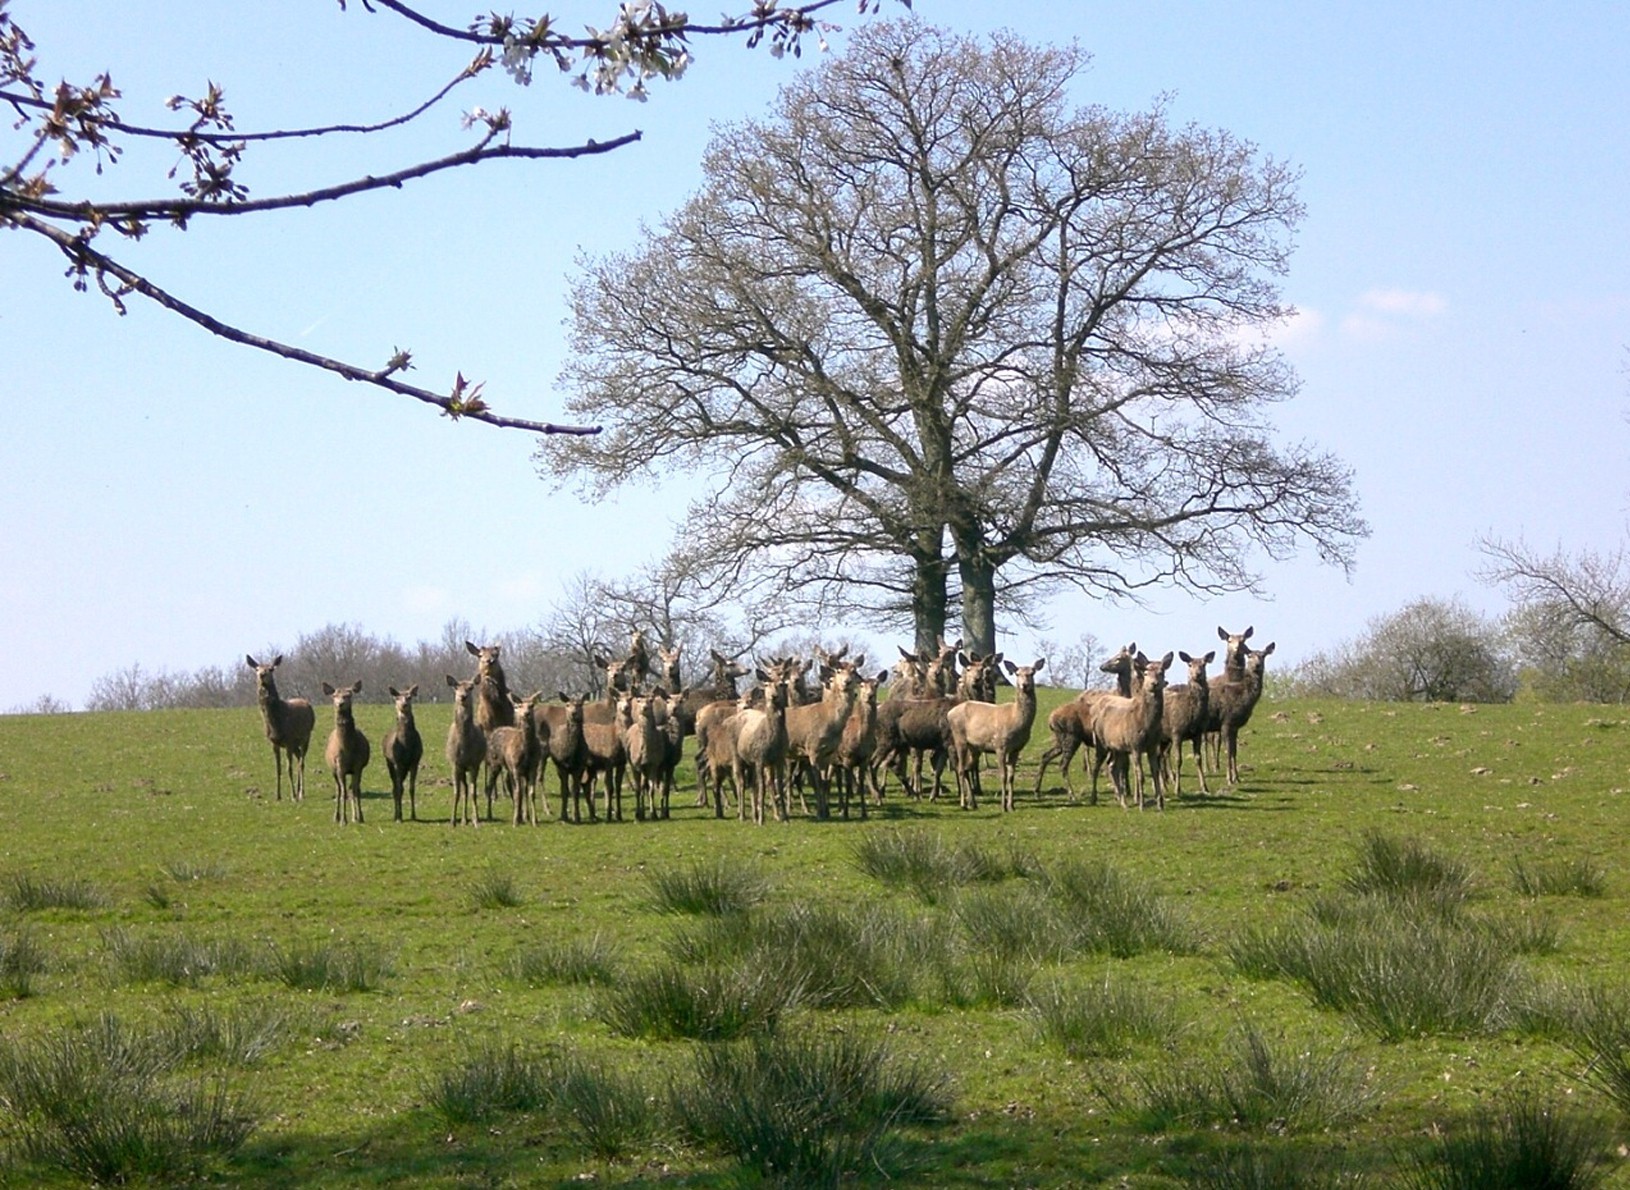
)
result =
(1406, 927)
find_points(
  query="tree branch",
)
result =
(463, 403)
(182, 209)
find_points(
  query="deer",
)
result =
(466, 750)
(753, 742)
(560, 731)
(605, 756)
(1234, 651)
(913, 728)
(646, 750)
(940, 671)
(1183, 719)
(814, 729)
(492, 704)
(347, 754)
(709, 713)
(1235, 700)
(1070, 725)
(403, 752)
(514, 752)
(289, 724)
(852, 763)
(1000, 729)
(1128, 729)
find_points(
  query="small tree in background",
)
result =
(1569, 627)
(1433, 650)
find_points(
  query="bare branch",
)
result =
(463, 403)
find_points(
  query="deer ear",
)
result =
(474, 652)
(1269, 649)
(1222, 633)
(413, 690)
(328, 690)
(451, 680)
(1041, 664)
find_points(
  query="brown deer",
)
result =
(403, 752)
(289, 724)
(1127, 730)
(347, 753)
(852, 765)
(814, 729)
(1070, 725)
(1183, 720)
(514, 752)
(466, 749)
(1236, 700)
(1000, 729)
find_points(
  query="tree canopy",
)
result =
(54, 125)
(933, 334)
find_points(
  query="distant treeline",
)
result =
(345, 653)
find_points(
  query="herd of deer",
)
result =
(785, 734)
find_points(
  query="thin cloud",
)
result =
(1403, 303)
(1382, 314)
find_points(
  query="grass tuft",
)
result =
(330, 966)
(1520, 1144)
(593, 961)
(1255, 1086)
(176, 959)
(1106, 1020)
(1264, 1166)
(103, 1104)
(1116, 914)
(712, 887)
(924, 863)
(806, 1111)
(492, 1080)
(1409, 871)
(607, 1111)
(1557, 878)
(711, 1003)
(27, 893)
(21, 959)
(1398, 976)
(1596, 1026)
(239, 1036)
(186, 871)
(495, 890)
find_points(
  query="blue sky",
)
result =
(1463, 277)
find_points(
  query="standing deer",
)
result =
(492, 705)
(1070, 725)
(403, 752)
(466, 749)
(514, 753)
(560, 731)
(289, 723)
(1236, 700)
(347, 753)
(814, 730)
(1128, 731)
(1001, 729)
(1184, 719)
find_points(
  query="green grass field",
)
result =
(1406, 929)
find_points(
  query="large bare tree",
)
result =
(50, 126)
(931, 333)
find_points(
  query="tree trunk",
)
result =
(928, 604)
(978, 604)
